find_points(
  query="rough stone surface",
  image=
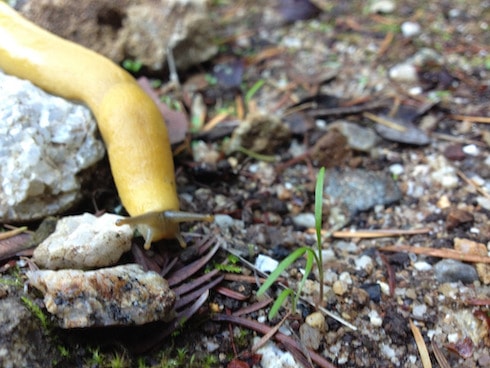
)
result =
(45, 142)
(84, 241)
(360, 190)
(450, 270)
(142, 30)
(23, 342)
(122, 295)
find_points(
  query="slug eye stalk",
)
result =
(162, 225)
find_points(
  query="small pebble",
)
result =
(373, 290)
(419, 310)
(273, 357)
(450, 270)
(410, 29)
(265, 263)
(223, 221)
(403, 73)
(310, 336)
(365, 263)
(422, 266)
(382, 6)
(396, 169)
(375, 318)
(305, 220)
(340, 287)
(471, 150)
(457, 217)
(316, 320)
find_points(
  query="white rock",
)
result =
(84, 241)
(364, 263)
(45, 142)
(273, 357)
(396, 169)
(422, 266)
(375, 318)
(419, 310)
(382, 6)
(471, 150)
(306, 220)
(410, 29)
(403, 73)
(122, 295)
(265, 263)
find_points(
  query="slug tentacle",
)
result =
(162, 225)
(130, 123)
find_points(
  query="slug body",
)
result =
(130, 123)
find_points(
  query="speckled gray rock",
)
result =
(360, 190)
(450, 270)
(23, 343)
(122, 295)
(83, 242)
(45, 142)
(358, 137)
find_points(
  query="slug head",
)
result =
(156, 225)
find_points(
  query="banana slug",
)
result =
(130, 123)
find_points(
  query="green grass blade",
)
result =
(285, 263)
(319, 205)
(310, 257)
(279, 302)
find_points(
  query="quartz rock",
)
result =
(122, 295)
(45, 142)
(84, 241)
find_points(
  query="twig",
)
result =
(424, 353)
(8, 234)
(385, 122)
(472, 183)
(382, 233)
(270, 333)
(441, 359)
(441, 253)
(471, 119)
(350, 110)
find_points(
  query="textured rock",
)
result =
(23, 343)
(45, 142)
(450, 270)
(359, 190)
(142, 30)
(122, 295)
(84, 241)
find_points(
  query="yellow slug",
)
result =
(130, 123)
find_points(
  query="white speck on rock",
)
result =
(122, 295)
(83, 242)
(45, 142)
